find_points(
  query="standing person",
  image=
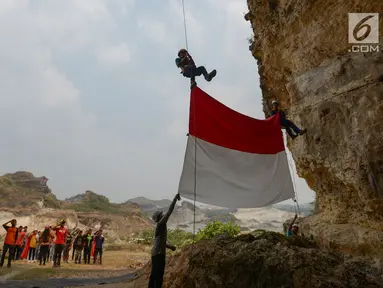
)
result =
(75, 234)
(99, 244)
(19, 243)
(44, 245)
(51, 250)
(68, 246)
(32, 246)
(9, 241)
(88, 241)
(78, 245)
(61, 233)
(160, 245)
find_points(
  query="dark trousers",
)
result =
(192, 72)
(44, 249)
(32, 252)
(19, 251)
(87, 252)
(10, 249)
(57, 256)
(66, 252)
(97, 251)
(158, 270)
(290, 127)
(74, 250)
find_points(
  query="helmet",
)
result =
(181, 51)
(275, 102)
(156, 215)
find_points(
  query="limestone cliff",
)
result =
(304, 61)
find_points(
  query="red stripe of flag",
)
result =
(216, 123)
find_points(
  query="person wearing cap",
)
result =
(285, 123)
(293, 228)
(190, 70)
(160, 245)
(61, 233)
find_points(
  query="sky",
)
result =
(92, 99)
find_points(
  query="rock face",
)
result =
(267, 260)
(304, 61)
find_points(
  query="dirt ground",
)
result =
(115, 263)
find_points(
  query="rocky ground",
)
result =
(269, 260)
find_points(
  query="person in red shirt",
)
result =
(9, 242)
(61, 233)
(19, 243)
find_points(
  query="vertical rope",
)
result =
(195, 129)
(186, 35)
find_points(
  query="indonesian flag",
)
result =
(235, 161)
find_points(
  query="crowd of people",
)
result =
(51, 245)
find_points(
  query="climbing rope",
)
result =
(195, 129)
(295, 198)
(186, 35)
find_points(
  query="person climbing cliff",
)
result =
(9, 241)
(293, 228)
(160, 245)
(285, 123)
(190, 70)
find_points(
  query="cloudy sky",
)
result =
(92, 99)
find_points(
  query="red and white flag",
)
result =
(241, 161)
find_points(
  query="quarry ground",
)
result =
(115, 263)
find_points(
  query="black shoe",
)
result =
(9, 266)
(212, 74)
(303, 131)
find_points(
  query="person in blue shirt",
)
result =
(293, 228)
(285, 123)
(190, 70)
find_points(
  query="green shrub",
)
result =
(216, 228)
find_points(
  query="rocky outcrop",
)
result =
(267, 260)
(304, 61)
(23, 189)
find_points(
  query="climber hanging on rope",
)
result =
(190, 70)
(285, 123)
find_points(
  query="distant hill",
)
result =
(148, 206)
(305, 208)
(90, 201)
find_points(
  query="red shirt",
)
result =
(20, 237)
(11, 236)
(60, 235)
